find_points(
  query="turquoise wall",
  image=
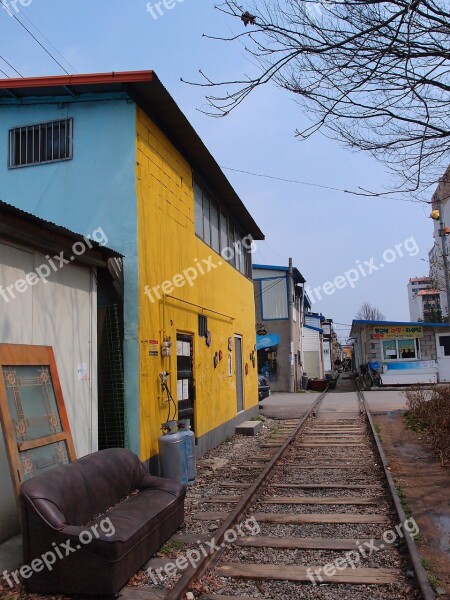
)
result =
(95, 189)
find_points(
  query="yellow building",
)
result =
(127, 160)
(196, 294)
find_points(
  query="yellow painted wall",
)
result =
(167, 246)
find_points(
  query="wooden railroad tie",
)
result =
(297, 500)
(230, 484)
(336, 429)
(335, 518)
(331, 466)
(320, 500)
(324, 486)
(304, 574)
(298, 519)
(333, 445)
(296, 543)
(331, 438)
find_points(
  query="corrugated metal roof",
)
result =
(148, 92)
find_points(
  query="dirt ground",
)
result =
(427, 487)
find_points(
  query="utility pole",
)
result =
(442, 234)
(291, 300)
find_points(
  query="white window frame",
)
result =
(416, 346)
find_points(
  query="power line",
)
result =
(9, 65)
(34, 38)
(320, 185)
(7, 76)
(49, 42)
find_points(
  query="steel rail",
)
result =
(416, 561)
(182, 585)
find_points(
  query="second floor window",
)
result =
(43, 143)
(217, 229)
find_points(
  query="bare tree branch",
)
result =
(371, 74)
(367, 312)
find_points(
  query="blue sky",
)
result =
(327, 232)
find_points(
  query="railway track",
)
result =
(312, 515)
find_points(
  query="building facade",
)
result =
(115, 151)
(424, 301)
(280, 307)
(403, 353)
(313, 352)
(440, 198)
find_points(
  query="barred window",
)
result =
(43, 143)
(202, 326)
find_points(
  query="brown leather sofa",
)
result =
(109, 497)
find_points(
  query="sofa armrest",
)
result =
(47, 510)
(164, 485)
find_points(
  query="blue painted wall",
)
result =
(95, 189)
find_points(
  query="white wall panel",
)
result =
(60, 313)
(311, 342)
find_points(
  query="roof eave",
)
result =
(145, 88)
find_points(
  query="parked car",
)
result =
(263, 388)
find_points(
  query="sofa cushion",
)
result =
(142, 516)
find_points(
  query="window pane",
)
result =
(36, 147)
(198, 210)
(58, 140)
(38, 460)
(15, 154)
(406, 349)
(223, 232)
(238, 250)
(214, 216)
(389, 350)
(43, 142)
(248, 265)
(206, 223)
(232, 239)
(242, 266)
(32, 402)
(29, 146)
